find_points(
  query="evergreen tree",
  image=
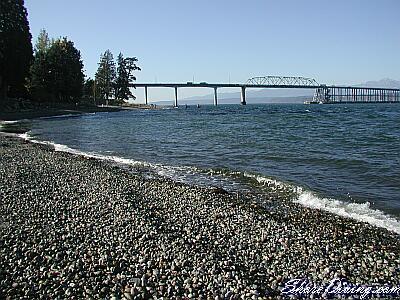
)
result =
(130, 63)
(65, 71)
(57, 73)
(37, 85)
(39, 71)
(125, 77)
(122, 91)
(43, 42)
(105, 77)
(131, 66)
(88, 89)
(15, 46)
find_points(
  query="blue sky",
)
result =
(335, 42)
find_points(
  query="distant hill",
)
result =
(383, 83)
(257, 93)
(254, 96)
(210, 101)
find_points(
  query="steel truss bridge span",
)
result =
(282, 81)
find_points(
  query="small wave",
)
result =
(183, 174)
(8, 122)
(64, 148)
(358, 211)
(265, 180)
(25, 136)
(17, 126)
(15, 122)
(62, 116)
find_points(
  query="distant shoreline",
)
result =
(60, 111)
(38, 113)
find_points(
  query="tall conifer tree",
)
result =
(125, 77)
(15, 46)
(57, 71)
(122, 91)
(105, 76)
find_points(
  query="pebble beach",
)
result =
(80, 228)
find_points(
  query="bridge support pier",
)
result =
(243, 96)
(145, 94)
(215, 96)
(176, 97)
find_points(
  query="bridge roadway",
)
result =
(326, 94)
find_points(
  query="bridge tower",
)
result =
(176, 97)
(215, 96)
(243, 96)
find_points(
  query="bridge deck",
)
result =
(239, 85)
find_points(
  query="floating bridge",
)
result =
(323, 93)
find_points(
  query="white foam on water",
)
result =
(5, 123)
(57, 147)
(68, 115)
(358, 211)
(9, 122)
(265, 180)
(175, 173)
(60, 116)
(24, 136)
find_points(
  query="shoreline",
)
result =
(18, 121)
(76, 226)
(49, 112)
(52, 112)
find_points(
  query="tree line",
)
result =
(112, 83)
(52, 70)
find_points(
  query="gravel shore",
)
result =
(74, 227)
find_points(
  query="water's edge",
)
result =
(358, 211)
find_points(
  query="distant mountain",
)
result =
(255, 96)
(260, 93)
(209, 101)
(383, 83)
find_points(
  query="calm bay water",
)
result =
(346, 153)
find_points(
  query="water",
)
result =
(342, 158)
